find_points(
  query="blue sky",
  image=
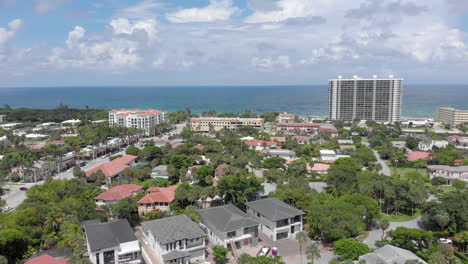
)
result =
(230, 42)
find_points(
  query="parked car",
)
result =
(445, 240)
(23, 188)
(263, 251)
(7, 209)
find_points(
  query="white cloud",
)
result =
(6, 34)
(216, 10)
(44, 6)
(271, 64)
(75, 36)
(124, 26)
(144, 9)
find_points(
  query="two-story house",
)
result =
(118, 193)
(277, 219)
(448, 173)
(157, 199)
(175, 239)
(228, 226)
(112, 243)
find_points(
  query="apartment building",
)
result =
(175, 239)
(286, 118)
(278, 220)
(378, 99)
(209, 124)
(136, 118)
(451, 116)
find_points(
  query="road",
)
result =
(15, 196)
(376, 234)
(385, 169)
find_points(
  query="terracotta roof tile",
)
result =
(113, 167)
(46, 259)
(417, 155)
(159, 194)
(119, 192)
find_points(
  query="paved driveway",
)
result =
(385, 169)
(376, 234)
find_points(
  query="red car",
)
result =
(23, 188)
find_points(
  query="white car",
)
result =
(445, 240)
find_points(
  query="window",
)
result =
(97, 258)
(231, 234)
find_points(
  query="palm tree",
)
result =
(313, 252)
(383, 224)
(301, 238)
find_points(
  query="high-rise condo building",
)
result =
(378, 99)
(451, 116)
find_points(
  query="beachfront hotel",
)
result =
(451, 116)
(378, 99)
(136, 118)
(207, 124)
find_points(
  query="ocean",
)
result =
(418, 100)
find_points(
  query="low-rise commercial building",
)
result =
(228, 226)
(277, 219)
(137, 118)
(175, 239)
(213, 124)
(311, 128)
(448, 173)
(451, 116)
(112, 242)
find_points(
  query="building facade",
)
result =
(213, 124)
(448, 173)
(112, 243)
(278, 220)
(451, 116)
(175, 239)
(366, 99)
(136, 118)
(228, 226)
(284, 118)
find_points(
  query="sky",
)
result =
(230, 42)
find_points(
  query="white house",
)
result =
(278, 220)
(428, 145)
(447, 172)
(175, 239)
(112, 242)
(280, 153)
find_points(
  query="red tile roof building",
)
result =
(136, 118)
(199, 147)
(307, 127)
(118, 193)
(46, 259)
(115, 167)
(157, 198)
(318, 168)
(417, 155)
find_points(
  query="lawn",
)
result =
(401, 172)
(402, 218)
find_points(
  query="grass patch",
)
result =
(402, 172)
(402, 218)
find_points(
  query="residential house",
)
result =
(160, 172)
(277, 219)
(347, 148)
(191, 171)
(220, 171)
(280, 153)
(389, 254)
(399, 144)
(118, 193)
(417, 155)
(175, 239)
(448, 173)
(280, 140)
(199, 147)
(260, 144)
(428, 145)
(112, 243)
(113, 170)
(51, 256)
(459, 141)
(301, 140)
(330, 156)
(345, 142)
(228, 226)
(319, 168)
(156, 199)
